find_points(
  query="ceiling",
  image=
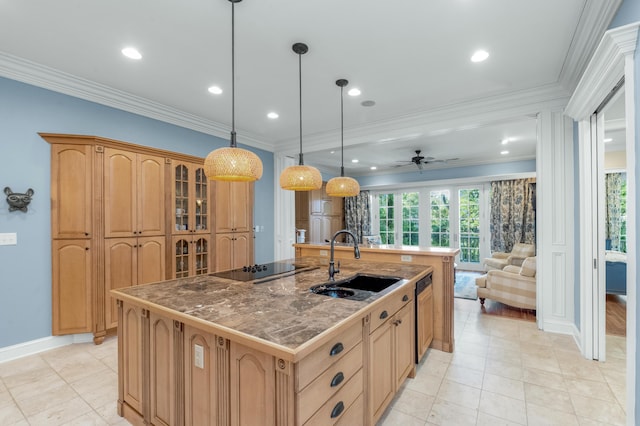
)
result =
(411, 57)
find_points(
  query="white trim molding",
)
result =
(33, 347)
(284, 212)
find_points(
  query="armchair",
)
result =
(513, 285)
(499, 260)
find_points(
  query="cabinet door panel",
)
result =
(381, 382)
(200, 382)
(71, 289)
(150, 196)
(404, 343)
(241, 206)
(71, 182)
(224, 215)
(242, 244)
(224, 252)
(424, 321)
(120, 193)
(162, 383)
(132, 365)
(150, 260)
(121, 271)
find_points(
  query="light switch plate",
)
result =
(8, 239)
(324, 253)
(198, 355)
(406, 258)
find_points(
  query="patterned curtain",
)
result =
(357, 214)
(613, 187)
(512, 213)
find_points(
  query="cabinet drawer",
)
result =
(382, 312)
(329, 382)
(336, 407)
(320, 359)
(354, 415)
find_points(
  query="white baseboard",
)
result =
(32, 347)
(577, 337)
(561, 327)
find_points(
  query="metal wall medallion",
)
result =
(18, 201)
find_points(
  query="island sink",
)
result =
(357, 287)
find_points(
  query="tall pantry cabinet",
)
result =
(124, 215)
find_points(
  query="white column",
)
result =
(285, 212)
(555, 219)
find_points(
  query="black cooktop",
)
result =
(256, 272)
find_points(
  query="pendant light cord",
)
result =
(300, 161)
(233, 73)
(341, 131)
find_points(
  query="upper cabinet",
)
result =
(190, 206)
(134, 194)
(234, 207)
(319, 214)
(71, 191)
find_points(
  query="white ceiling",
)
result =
(411, 57)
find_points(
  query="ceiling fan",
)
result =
(420, 160)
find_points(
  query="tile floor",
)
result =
(503, 372)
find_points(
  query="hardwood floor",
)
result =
(616, 315)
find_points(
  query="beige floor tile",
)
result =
(476, 338)
(590, 388)
(503, 386)
(61, 413)
(582, 369)
(485, 419)
(472, 348)
(546, 363)
(10, 414)
(582, 421)
(446, 413)
(89, 419)
(465, 376)
(413, 403)
(425, 383)
(613, 363)
(434, 354)
(394, 418)
(536, 337)
(474, 362)
(434, 367)
(76, 365)
(548, 397)
(97, 390)
(109, 413)
(598, 410)
(459, 394)
(503, 407)
(50, 393)
(544, 378)
(503, 369)
(538, 415)
(23, 371)
(500, 343)
(620, 393)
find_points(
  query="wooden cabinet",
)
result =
(131, 356)
(424, 321)
(234, 207)
(129, 262)
(71, 191)
(191, 254)
(320, 214)
(134, 194)
(71, 286)
(162, 374)
(190, 201)
(391, 351)
(233, 250)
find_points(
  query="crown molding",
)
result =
(604, 71)
(594, 21)
(38, 75)
(464, 115)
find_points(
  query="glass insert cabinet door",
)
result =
(191, 199)
(191, 256)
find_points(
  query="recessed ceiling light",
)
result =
(215, 90)
(504, 152)
(131, 52)
(608, 139)
(354, 92)
(373, 168)
(332, 152)
(479, 56)
(273, 115)
(505, 141)
(355, 160)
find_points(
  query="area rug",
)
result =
(465, 285)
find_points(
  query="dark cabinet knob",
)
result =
(384, 314)
(337, 410)
(86, 234)
(337, 379)
(336, 349)
(86, 248)
(405, 298)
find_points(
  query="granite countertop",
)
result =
(282, 313)
(390, 248)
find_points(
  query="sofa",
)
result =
(616, 272)
(513, 285)
(499, 260)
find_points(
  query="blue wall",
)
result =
(25, 283)
(527, 166)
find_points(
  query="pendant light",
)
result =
(300, 177)
(231, 163)
(342, 186)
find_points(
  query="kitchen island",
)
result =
(210, 350)
(440, 258)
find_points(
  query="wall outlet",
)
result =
(9, 239)
(198, 356)
(324, 253)
(406, 258)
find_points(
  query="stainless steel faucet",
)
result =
(356, 252)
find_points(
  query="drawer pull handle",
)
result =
(405, 298)
(384, 314)
(337, 379)
(336, 349)
(337, 410)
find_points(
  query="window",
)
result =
(410, 216)
(440, 229)
(386, 212)
(469, 215)
(623, 216)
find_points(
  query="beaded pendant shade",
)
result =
(300, 177)
(342, 186)
(232, 163)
